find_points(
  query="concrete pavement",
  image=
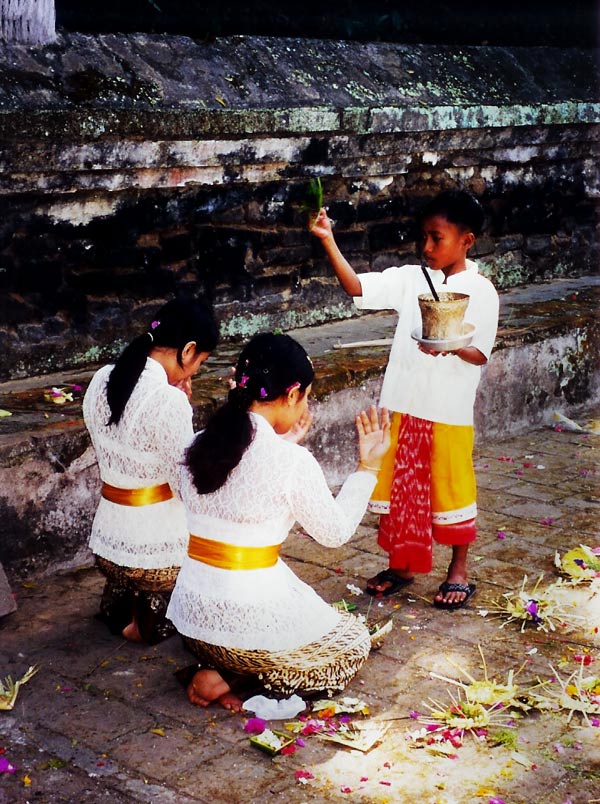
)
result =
(106, 721)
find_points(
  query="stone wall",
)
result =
(135, 168)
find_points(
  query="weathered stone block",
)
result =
(146, 166)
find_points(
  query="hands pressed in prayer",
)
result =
(185, 386)
(298, 431)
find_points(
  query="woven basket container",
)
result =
(444, 318)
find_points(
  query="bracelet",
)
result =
(368, 468)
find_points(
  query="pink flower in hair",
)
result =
(154, 324)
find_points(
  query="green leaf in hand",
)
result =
(314, 196)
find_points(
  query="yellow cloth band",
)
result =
(452, 475)
(143, 496)
(232, 556)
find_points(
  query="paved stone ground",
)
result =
(104, 720)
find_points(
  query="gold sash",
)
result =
(143, 496)
(232, 556)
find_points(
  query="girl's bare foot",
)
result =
(208, 686)
(131, 632)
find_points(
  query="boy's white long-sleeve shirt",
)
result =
(436, 388)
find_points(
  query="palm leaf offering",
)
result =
(577, 693)
(9, 689)
(314, 196)
(489, 693)
(581, 564)
(545, 608)
(483, 708)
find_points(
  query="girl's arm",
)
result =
(344, 271)
(332, 521)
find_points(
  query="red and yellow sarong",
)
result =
(426, 490)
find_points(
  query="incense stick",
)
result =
(429, 282)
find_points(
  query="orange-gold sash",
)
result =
(143, 496)
(232, 556)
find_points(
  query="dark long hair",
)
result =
(267, 368)
(176, 323)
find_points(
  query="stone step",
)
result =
(545, 360)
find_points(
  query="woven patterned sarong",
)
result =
(143, 593)
(327, 664)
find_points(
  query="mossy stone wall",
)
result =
(139, 167)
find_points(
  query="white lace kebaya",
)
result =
(276, 484)
(145, 448)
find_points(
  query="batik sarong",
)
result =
(143, 593)
(426, 491)
(327, 664)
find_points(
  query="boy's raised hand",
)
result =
(373, 437)
(321, 228)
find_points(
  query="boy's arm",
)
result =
(344, 271)
(470, 354)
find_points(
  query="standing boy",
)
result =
(426, 487)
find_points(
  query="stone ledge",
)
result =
(528, 316)
(545, 360)
(89, 87)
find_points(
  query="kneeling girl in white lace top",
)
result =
(140, 421)
(239, 607)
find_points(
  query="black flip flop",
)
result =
(388, 576)
(468, 589)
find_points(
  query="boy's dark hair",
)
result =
(459, 207)
(268, 367)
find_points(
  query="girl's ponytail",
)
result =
(125, 374)
(218, 449)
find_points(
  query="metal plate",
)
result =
(446, 344)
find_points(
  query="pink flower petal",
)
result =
(5, 766)
(255, 725)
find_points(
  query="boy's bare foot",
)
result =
(388, 581)
(451, 598)
(131, 632)
(208, 686)
(448, 596)
(453, 595)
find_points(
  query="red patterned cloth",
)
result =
(406, 532)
